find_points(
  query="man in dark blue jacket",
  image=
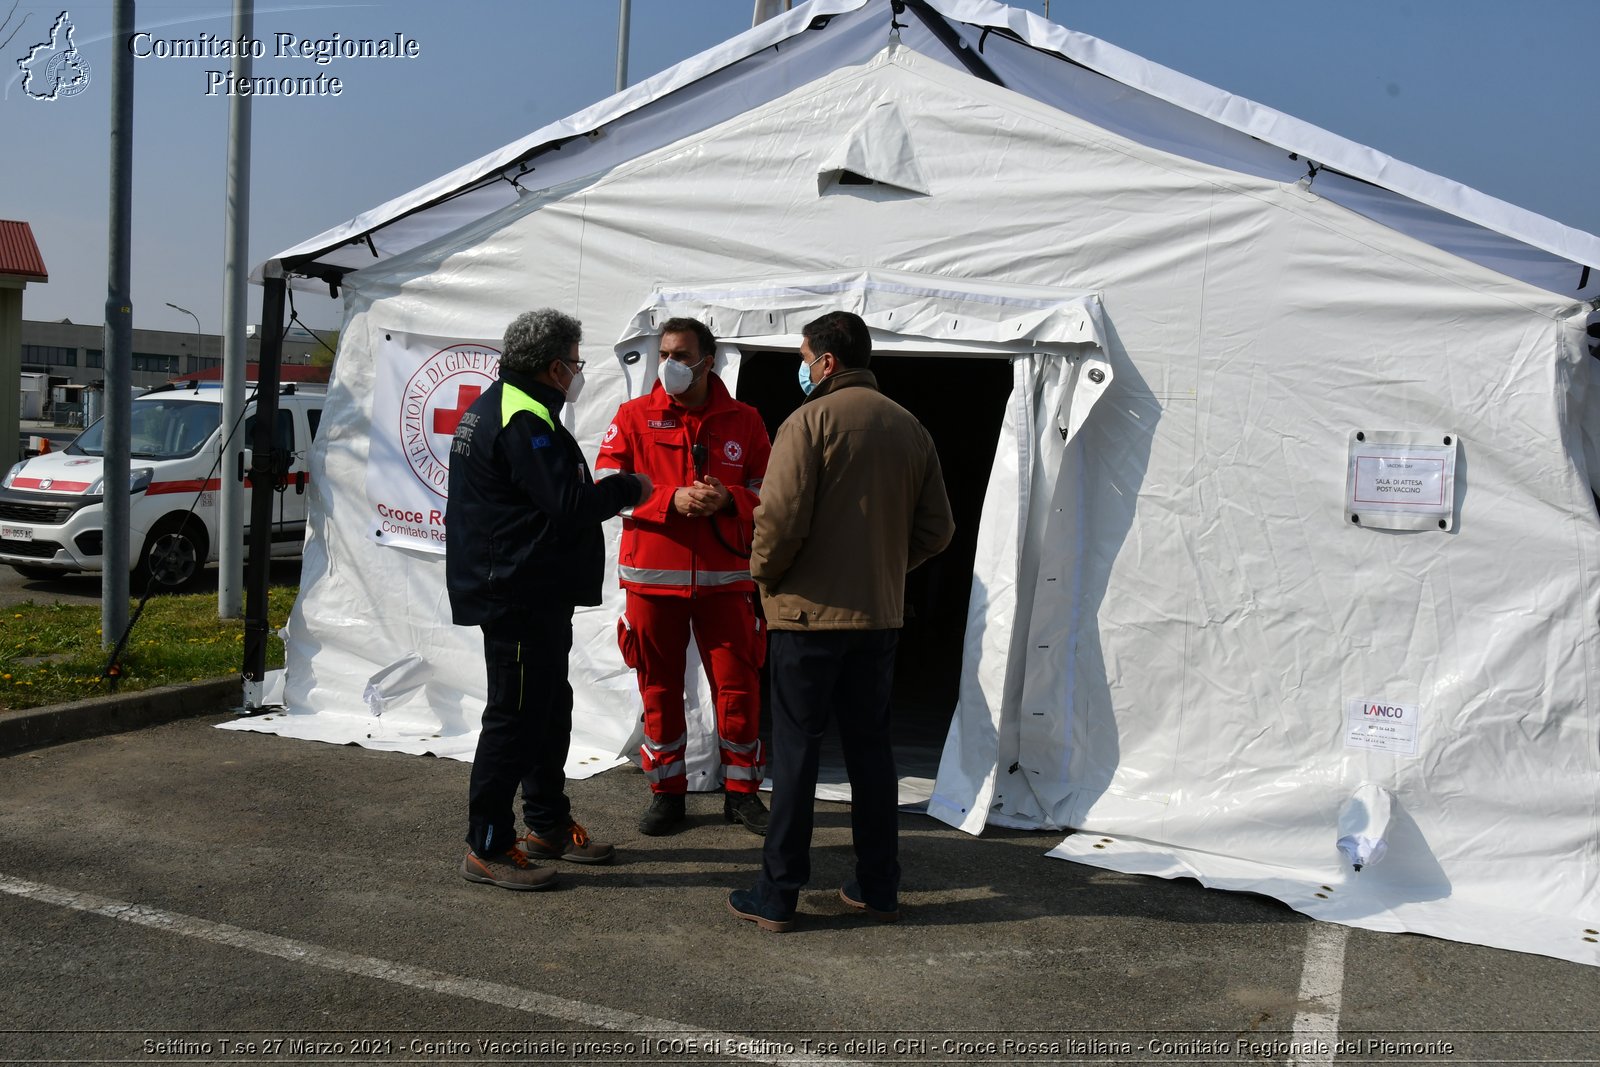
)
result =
(524, 548)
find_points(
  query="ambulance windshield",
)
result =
(168, 428)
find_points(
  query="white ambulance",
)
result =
(51, 511)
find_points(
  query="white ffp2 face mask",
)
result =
(574, 384)
(677, 378)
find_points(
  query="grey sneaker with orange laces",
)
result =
(509, 870)
(569, 843)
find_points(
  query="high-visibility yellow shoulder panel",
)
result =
(513, 400)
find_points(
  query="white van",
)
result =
(51, 514)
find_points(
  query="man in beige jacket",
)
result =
(853, 499)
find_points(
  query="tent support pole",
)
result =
(268, 462)
(947, 35)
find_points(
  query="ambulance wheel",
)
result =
(174, 555)
(35, 574)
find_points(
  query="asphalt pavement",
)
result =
(185, 893)
(68, 589)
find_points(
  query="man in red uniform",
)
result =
(685, 563)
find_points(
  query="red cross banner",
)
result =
(424, 385)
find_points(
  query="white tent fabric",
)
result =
(1174, 627)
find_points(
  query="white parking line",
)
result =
(730, 1045)
(1322, 993)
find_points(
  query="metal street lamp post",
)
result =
(196, 319)
(624, 17)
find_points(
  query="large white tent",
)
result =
(1285, 563)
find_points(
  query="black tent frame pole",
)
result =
(268, 463)
(947, 35)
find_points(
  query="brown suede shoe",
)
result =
(509, 870)
(852, 895)
(747, 905)
(571, 844)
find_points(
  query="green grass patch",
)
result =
(51, 654)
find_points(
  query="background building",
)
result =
(73, 356)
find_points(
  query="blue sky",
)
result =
(1493, 93)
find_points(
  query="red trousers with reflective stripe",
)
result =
(732, 644)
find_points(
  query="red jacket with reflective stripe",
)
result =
(664, 552)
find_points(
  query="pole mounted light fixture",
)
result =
(196, 319)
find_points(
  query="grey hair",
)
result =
(535, 339)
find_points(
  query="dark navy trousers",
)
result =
(846, 674)
(527, 729)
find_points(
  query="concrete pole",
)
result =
(235, 316)
(118, 341)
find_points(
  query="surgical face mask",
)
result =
(676, 378)
(806, 384)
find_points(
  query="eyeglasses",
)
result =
(575, 364)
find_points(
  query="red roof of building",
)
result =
(288, 372)
(19, 254)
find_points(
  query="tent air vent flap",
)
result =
(878, 148)
(892, 301)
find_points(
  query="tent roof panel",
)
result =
(1140, 99)
(441, 193)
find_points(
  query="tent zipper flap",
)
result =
(965, 786)
(1006, 756)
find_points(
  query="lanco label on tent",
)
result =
(1400, 480)
(1382, 727)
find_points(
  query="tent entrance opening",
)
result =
(961, 400)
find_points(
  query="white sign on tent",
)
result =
(1397, 480)
(1382, 727)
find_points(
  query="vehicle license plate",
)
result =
(16, 533)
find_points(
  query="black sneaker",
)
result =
(748, 809)
(664, 813)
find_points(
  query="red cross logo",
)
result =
(445, 420)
